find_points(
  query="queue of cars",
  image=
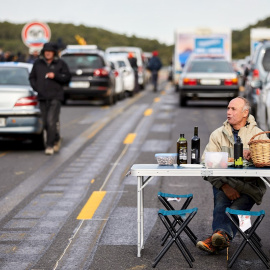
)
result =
(95, 75)
(138, 54)
(258, 85)
(105, 75)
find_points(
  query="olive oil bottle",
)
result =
(182, 150)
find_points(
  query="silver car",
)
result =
(19, 111)
(263, 86)
(207, 77)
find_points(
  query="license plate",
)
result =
(79, 84)
(2, 122)
(210, 82)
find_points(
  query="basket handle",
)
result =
(258, 135)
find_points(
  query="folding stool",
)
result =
(175, 233)
(249, 235)
(163, 197)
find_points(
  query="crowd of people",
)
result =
(8, 56)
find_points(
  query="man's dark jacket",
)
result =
(49, 89)
(154, 64)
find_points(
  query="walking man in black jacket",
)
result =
(154, 65)
(47, 78)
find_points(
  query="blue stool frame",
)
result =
(250, 237)
(177, 219)
(175, 233)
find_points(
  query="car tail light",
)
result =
(100, 72)
(116, 73)
(255, 73)
(233, 81)
(188, 81)
(27, 101)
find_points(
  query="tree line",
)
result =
(10, 39)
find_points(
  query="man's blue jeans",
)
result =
(221, 202)
(50, 111)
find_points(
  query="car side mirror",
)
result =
(256, 84)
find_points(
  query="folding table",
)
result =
(146, 172)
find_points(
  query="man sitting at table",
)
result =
(235, 192)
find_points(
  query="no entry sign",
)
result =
(35, 34)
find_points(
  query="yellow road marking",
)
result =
(148, 112)
(3, 154)
(157, 99)
(130, 138)
(92, 204)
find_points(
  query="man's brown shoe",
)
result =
(206, 245)
(220, 240)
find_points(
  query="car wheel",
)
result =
(109, 100)
(121, 96)
(182, 100)
(39, 140)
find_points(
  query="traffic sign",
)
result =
(35, 34)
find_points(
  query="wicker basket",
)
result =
(260, 151)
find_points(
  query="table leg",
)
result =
(142, 216)
(139, 206)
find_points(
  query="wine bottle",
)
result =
(181, 150)
(195, 147)
(238, 153)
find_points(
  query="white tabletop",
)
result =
(174, 170)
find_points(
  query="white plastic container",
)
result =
(216, 160)
(166, 159)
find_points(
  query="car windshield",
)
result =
(209, 67)
(14, 76)
(83, 61)
(121, 63)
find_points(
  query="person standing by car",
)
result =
(133, 62)
(47, 78)
(154, 65)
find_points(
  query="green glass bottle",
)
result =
(182, 150)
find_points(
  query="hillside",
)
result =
(241, 39)
(10, 39)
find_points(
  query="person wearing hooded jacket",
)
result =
(239, 193)
(48, 75)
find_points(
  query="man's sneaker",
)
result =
(57, 145)
(49, 151)
(220, 240)
(206, 245)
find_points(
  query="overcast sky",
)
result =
(144, 18)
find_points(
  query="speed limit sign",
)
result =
(35, 34)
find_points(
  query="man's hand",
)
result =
(230, 192)
(246, 154)
(50, 75)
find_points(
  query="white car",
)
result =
(262, 88)
(126, 72)
(119, 78)
(138, 54)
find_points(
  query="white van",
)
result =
(138, 53)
